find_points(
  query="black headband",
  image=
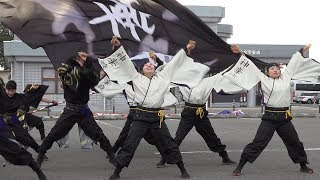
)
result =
(273, 64)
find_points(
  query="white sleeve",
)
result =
(119, 67)
(210, 82)
(176, 62)
(169, 99)
(183, 70)
(108, 88)
(295, 62)
(305, 69)
(227, 86)
(310, 71)
(244, 74)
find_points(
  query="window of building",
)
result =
(50, 77)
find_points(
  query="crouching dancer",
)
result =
(9, 147)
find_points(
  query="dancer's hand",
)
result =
(236, 49)
(190, 46)
(153, 56)
(35, 86)
(115, 42)
(306, 48)
(83, 56)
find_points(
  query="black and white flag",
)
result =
(63, 27)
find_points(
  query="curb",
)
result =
(257, 115)
(178, 116)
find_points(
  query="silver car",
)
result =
(308, 98)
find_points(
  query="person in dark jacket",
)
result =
(33, 120)
(11, 128)
(78, 76)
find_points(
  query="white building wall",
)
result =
(32, 74)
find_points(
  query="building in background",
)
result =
(33, 66)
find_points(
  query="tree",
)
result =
(5, 35)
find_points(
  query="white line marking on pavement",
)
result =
(174, 120)
(266, 150)
(252, 119)
(109, 125)
(313, 149)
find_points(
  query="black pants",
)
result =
(22, 135)
(125, 131)
(84, 117)
(13, 153)
(35, 121)
(287, 133)
(9, 149)
(161, 137)
(203, 127)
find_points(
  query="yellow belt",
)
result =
(21, 116)
(199, 111)
(288, 113)
(160, 114)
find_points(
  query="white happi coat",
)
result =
(150, 92)
(169, 98)
(109, 89)
(276, 91)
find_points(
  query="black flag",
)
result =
(64, 27)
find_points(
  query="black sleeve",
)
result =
(159, 62)
(95, 90)
(186, 50)
(64, 72)
(68, 74)
(34, 96)
(301, 52)
(2, 89)
(90, 73)
(87, 68)
(89, 62)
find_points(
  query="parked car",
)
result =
(308, 98)
(317, 99)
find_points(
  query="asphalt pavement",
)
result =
(74, 163)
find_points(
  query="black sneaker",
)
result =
(227, 161)
(237, 172)
(114, 176)
(185, 175)
(161, 164)
(306, 169)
